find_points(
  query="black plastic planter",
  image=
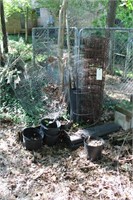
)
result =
(51, 130)
(32, 139)
(51, 140)
(93, 148)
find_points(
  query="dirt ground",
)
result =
(117, 88)
(57, 173)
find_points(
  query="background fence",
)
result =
(94, 53)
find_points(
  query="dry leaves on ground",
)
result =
(57, 173)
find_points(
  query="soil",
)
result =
(117, 88)
(35, 137)
(94, 143)
(57, 173)
(50, 123)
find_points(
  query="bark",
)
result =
(131, 98)
(26, 25)
(112, 5)
(3, 27)
(69, 50)
(1, 58)
(62, 15)
(111, 14)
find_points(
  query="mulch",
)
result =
(58, 173)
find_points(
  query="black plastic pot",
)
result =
(32, 139)
(51, 130)
(93, 148)
(51, 140)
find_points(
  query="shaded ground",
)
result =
(117, 88)
(56, 173)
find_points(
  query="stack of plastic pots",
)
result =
(32, 139)
(50, 128)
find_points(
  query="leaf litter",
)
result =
(57, 173)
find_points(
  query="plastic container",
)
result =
(32, 139)
(93, 147)
(51, 130)
(51, 140)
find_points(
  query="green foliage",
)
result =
(11, 8)
(130, 75)
(101, 8)
(16, 6)
(124, 13)
(19, 95)
(125, 105)
(53, 6)
(19, 54)
(18, 38)
(100, 22)
(41, 58)
(19, 48)
(124, 9)
(10, 76)
(110, 104)
(12, 110)
(119, 72)
(127, 3)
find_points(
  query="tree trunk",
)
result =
(69, 51)
(62, 15)
(1, 58)
(26, 25)
(111, 14)
(3, 26)
(112, 5)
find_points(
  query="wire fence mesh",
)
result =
(93, 54)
